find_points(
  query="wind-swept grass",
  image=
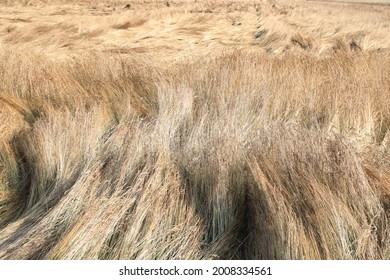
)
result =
(243, 156)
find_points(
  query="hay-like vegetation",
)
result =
(237, 155)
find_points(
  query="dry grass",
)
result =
(278, 151)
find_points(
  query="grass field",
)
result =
(194, 130)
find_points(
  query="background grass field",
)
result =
(194, 130)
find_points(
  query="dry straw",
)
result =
(244, 156)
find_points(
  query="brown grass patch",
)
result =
(145, 138)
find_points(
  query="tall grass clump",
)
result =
(240, 156)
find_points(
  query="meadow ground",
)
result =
(194, 129)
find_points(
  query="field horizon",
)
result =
(194, 130)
